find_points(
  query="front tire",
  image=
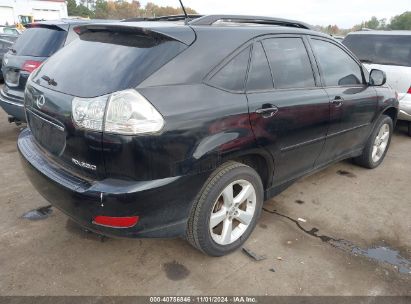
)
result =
(377, 145)
(409, 128)
(226, 209)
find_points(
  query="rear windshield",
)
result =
(39, 42)
(104, 62)
(381, 49)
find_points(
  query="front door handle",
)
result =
(338, 101)
(267, 111)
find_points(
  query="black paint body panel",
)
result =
(157, 176)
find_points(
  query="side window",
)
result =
(232, 75)
(338, 68)
(259, 77)
(290, 65)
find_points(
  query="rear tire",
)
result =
(226, 209)
(409, 128)
(377, 145)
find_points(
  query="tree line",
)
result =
(120, 9)
(399, 22)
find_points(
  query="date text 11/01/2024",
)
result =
(203, 299)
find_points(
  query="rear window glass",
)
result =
(289, 62)
(232, 75)
(104, 62)
(39, 42)
(259, 77)
(381, 49)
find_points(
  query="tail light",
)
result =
(30, 65)
(409, 91)
(125, 112)
(116, 222)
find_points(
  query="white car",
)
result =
(9, 30)
(389, 51)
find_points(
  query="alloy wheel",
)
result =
(380, 143)
(233, 212)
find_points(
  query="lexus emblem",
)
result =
(40, 101)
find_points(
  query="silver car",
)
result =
(389, 51)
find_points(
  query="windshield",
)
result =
(381, 49)
(39, 42)
(103, 62)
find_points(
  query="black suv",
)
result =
(38, 42)
(152, 129)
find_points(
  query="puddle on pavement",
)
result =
(38, 214)
(381, 254)
(176, 271)
(386, 255)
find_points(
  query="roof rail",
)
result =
(211, 19)
(163, 18)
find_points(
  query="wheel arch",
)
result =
(391, 112)
(261, 161)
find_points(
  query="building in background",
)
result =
(13, 12)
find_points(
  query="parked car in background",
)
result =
(37, 43)
(389, 51)
(339, 38)
(153, 129)
(6, 41)
(9, 30)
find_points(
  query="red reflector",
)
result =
(30, 65)
(116, 222)
(77, 30)
(409, 91)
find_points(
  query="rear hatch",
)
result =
(33, 46)
(388, 52)
(106, 59)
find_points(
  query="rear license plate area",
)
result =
(12, 78)
(46, 133)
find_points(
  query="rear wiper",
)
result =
(13, 50)
(49, 80)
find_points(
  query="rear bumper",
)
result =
(405, 108)
(12, 105)
(162, 205)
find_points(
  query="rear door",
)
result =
(353, 102)
(289, 112)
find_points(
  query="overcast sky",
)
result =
(344, 13)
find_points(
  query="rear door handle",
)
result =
(267, 111)
(338, 101)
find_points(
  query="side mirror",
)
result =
(377, 77)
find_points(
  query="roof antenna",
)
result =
(184, 10)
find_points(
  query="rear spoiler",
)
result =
(59, 26)
(183, 34)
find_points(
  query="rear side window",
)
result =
(381, 49)
(232, 76)
(114, 61)
(337, 67)
(289, 63)
(39, 42)
(259, 77)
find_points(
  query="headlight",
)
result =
(125, 112)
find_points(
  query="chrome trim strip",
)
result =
(322, 138)
(46, 120)
(10, 102)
